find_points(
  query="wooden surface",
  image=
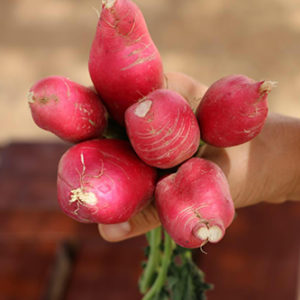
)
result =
(45, 255)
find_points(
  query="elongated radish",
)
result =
(194, 204)
(103, 181)
(69, 110)
(233, 110)
(162, 129)
(124, 63)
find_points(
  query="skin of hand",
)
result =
(265, 169)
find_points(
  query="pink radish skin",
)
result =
(233, 110)
(124, 63)
(194, 204)
(69, 110)
(163, 129)
(103, 181)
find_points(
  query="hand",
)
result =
(266, 169)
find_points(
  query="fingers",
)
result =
(186, 86)
(234, 163)
(262, 170)
(141, 223)
(147, 219)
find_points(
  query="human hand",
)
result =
(266, 169)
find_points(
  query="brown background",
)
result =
(206, 39)
(44, 255)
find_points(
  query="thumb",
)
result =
(141, 223)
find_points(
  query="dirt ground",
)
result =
(206, 39)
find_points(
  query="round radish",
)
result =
(69, 110)
(103, 181)
(233, 110)
(194, 204)
(124, 63)
(163, 129)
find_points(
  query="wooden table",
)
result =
(46, 255)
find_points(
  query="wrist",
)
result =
(288, 156)
(293, 151)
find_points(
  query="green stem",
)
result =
(187, 255)
(154, 239)
(202, 143)
(162, 275)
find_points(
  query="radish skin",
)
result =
(71, 111)
(124, 63)
(233, 110)
(103, 181)
(163, 129)
(194, 204)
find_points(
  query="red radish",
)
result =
(69, 110)
(233, 110)
(163, 129)
(103, 181)
(124, 63)
(194, 204)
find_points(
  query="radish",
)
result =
(163, 129)
(194, 204)
(69, 110)
(103, 181)
(124, 63)
(233, 110)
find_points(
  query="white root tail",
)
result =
(108, 3)
(83, 197)
(30, 97)
(212, 234)
(267, 86)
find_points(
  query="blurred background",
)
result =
(205, 39)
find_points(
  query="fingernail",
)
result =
(115, 231)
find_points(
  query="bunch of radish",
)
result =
(108, 180)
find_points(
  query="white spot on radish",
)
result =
(212, 234)
(140, 60)
(92, 123)
(83, 197)
(143, 108)
(267, 86)
(82, 159)
(108, 3)
(67, 86)
(30, 97)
